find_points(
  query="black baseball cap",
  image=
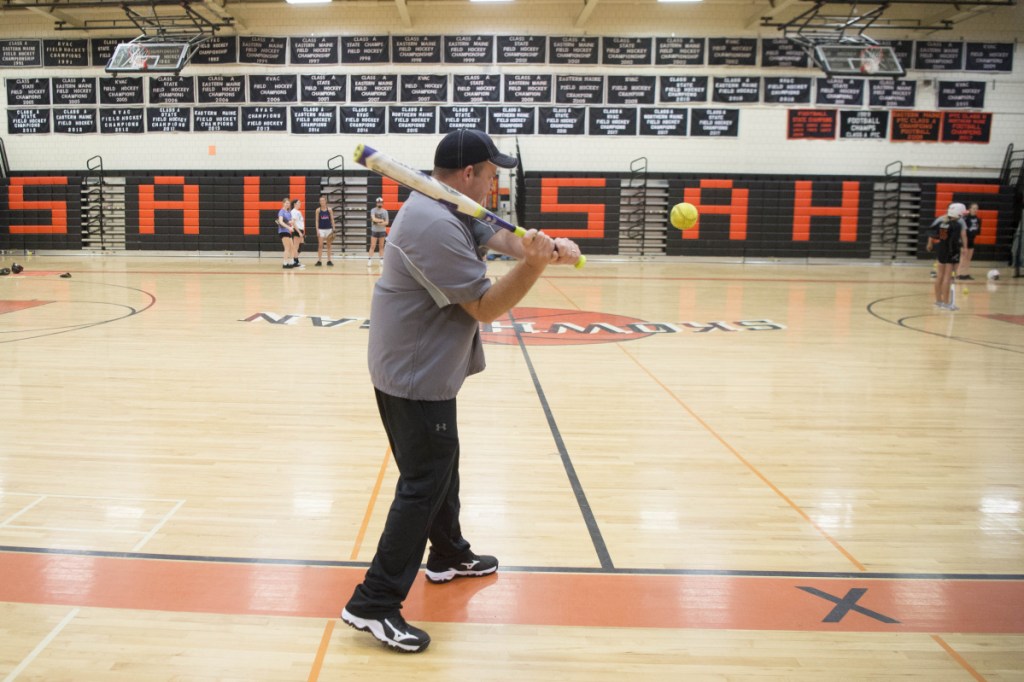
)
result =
(468, 146)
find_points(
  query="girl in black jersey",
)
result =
(946, 238)
(973, 222)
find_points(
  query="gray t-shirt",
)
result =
(423, 344)
(378, 213)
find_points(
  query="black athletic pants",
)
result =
(424, 439)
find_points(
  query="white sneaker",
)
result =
(369, 262)
(392, 630)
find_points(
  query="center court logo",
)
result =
(550, 326)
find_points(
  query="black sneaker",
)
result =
(470, 566)
(330, 264)
(318, 264)
(392, 630)
(966, 277)
(287, 266)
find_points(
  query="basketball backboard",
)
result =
(146, 57)
(872, 61)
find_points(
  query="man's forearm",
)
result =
(505, 293)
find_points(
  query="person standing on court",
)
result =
(324, 231)
(973, 222)
(298, 232)
(947, 236)
(424, 341)
(284, 231)
(379, 220)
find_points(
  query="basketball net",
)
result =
(870, 60)
(138, 57)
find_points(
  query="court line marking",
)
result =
(153, 531)
(321, 652)
(134, 311)
(949, 650)
(104, 497)
(586, 276)
(753, 469)
(63, 529)
(958, 658)
(370, 505)
(326, 563)
(900, 323)
(27, 661)
(39, 499)
(600, 547)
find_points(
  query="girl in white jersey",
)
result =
(298, 232)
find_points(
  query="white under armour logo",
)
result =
(440, 427)
(398, 635)
(469, 564)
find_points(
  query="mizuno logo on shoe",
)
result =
(470, 564)
(397, 634)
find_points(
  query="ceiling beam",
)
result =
(956, 14)
(219, 8)
(55, 14)
(403, 12)
(776, 7)
(584, 15)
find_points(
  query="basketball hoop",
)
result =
(149, 57)
(870, 60)
(137, 56)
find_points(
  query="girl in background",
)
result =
(298, 232)
(284, 231)
(324, 231)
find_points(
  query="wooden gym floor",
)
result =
(689, 471)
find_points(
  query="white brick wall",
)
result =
(762, 146)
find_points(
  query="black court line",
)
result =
(699, 572)
(576, 276)
(901, 323)
(570, 471)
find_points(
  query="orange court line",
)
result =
(625, 600)
(321, 652)
(958, 658)
(369, 505)
(743, 460)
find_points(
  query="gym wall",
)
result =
(742, 216)
(762, 142)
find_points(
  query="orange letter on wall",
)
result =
(59, 209)
(389, 193)
(944, 196)
(847, 211)
(253, 203)
(736, 210)
(188, 205)
(549, 203)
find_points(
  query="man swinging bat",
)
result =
(427, 307)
